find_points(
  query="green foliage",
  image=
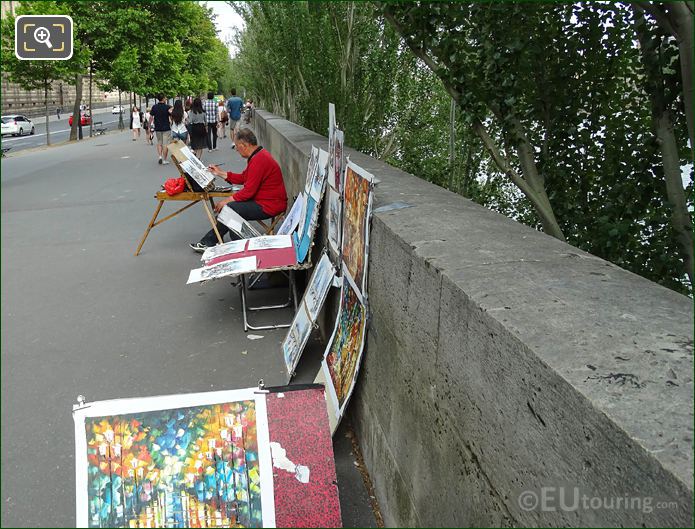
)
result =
(149, 47)
(33, 75)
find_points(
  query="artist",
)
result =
(263, 196)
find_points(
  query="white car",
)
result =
(117, 109)
(17, 125)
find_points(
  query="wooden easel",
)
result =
(204, 197)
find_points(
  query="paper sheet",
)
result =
(232, 267)
(226, 248)
(267, 242)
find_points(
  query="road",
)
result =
(82, 315)
(60, 130)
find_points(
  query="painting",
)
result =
(356, 212)
(312, 169)
(335, 218)
(296, 338)
(318, 177)
(320, 282)
(232, 267)
(336, 177)
(331, 136)
(292, 219)
(344, 351)
(197, 460)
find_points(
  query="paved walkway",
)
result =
(82, 315)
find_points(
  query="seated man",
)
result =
(263, 195)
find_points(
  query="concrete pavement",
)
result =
(82, 315)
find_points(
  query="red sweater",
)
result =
(262, 180)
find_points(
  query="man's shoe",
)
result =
(198, 247)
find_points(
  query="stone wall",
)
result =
(16, 100)
(505, 368)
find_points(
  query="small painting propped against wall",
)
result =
(307, 313)
(357, 208)
(342, 357)
(335, 218)
(196, 460)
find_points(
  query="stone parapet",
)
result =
(504, 366)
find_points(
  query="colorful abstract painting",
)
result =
(345, 348)
(196, 466)
(356, 212)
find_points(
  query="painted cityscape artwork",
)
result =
(356, 212)
(186, 467)
(345, 349)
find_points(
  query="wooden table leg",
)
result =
(147, 231)
(212, 221)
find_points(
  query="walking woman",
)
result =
(178, 123)
(196, 118)
(137, 125)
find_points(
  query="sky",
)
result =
(227, 21)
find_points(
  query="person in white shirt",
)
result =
(136, 123)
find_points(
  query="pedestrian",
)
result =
(146, 126)
(234, 104)
(58, 112)
(162, 127)
(137, 124)
(222, 119)
(196, 119)
(178, 122)
(211, 121)
(263, 195)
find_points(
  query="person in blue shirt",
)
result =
(234, 105)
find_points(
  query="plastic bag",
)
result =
(174, 186)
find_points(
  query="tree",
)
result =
(660, 56)
(35, 75)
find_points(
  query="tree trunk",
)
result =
(682, 19)
(76, 107)
(45, 102)
(662, 122)
(120, 112)
(676, 19)
(675, 194)
(91, 113)
(452, 142)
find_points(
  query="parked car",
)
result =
(16, 124)
(117, 109)
(85, 119)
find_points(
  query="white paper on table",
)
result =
(226, 248)
(266, 242)
(237, 223)
(232, 267)
(292, 219)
